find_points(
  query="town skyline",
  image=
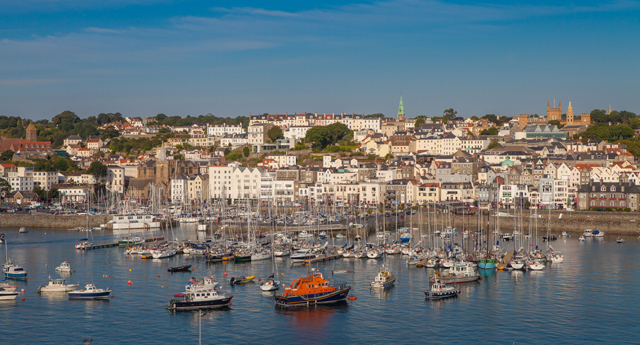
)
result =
(241, 57)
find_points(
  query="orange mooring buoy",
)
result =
(352, 298)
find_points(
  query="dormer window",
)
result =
(613, 188)
(603, 189)
(622, 188)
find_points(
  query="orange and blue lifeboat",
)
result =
(312, 290)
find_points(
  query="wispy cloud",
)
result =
(254, 11)
(103, 30)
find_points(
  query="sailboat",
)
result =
(271, 284)
(10, 269)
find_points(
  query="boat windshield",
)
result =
(296, 284)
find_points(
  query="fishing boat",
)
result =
(7, 295)
(440, 291)
(57, 285)
(383, 280)
(90, 292)
(311, 290)
(206, 299)
(23, 230)
(15, 272)
(487, 264)
(620, 240)
(241, 280)
(64, 267)
(185, 268)
(459, 273)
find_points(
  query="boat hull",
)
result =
(383, 285)
(487, 265)
(458, 280)
(441, 295)
(239, 258)
(184, 305)
(90, 295)
(8, 295)
(313, 299)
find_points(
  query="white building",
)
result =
(234, 140)
(179, 186)
(296, 132)
(284, 160)
(224, 130)
(115, 179)
(22, 179)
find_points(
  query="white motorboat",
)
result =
(15, 272)
(565, 234)
(587, 233)
(7, 295)
(374, 254)
(383, 279)
(597, 233)
(23, 230)
(64, 267)
(134, 222)
(446, 263)
(507, 237)
(57, 285)
(90, 292)
(8, 286)
(195, 285)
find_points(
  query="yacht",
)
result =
(271, 284)
(84, 243)
(264, 255)
(205, 299)
(64, 267)
(57, 285)
(302, 255)
(305, 234)
(163, 253)
(536, 266)
(90, 292)
(383, 280)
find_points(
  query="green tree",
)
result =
(246, 151)
(474, 118)
(448, 115)
(61, 164)
(490, 131)
(493, 144)
(109, 133)
(164, 130)
(555, 123)
(7, 155)
(275, 133)
(5, 187)
(374, 116)
(97, 170)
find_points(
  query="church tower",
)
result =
(554, 113)
(569, 114)
(32, 133)
(401, 116)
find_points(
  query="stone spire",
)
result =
(569, 113)
(609, 112)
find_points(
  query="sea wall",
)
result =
(32, 221)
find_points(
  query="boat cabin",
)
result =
(312, 284)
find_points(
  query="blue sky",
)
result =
(231, 58)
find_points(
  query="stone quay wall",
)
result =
(48, 221)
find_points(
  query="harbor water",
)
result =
(589, 298)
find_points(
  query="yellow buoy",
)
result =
(129, 270)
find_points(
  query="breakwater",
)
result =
(48, 221)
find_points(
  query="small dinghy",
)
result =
(23, 230)
(185, 268)
(241, 280)
(620, 240)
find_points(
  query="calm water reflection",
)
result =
(582, 300)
